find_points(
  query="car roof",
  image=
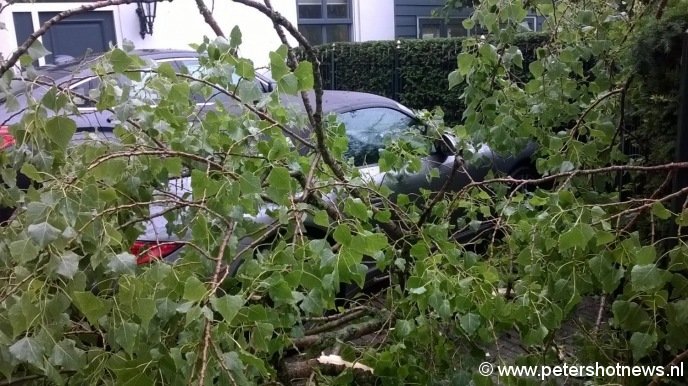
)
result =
(69, 67)
(335, 101)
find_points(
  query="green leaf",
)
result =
(60, 130)
(194, 289)
(249, 91)
(43, 233)
(288, 84)
(145, 309)
(489, 52)
(37, 51)
(120, 60)
(67, 264)
(536, 335)
(342, 234)
(235, 37)
(404, 327)
(29, 350)
(54, 99)
(179, 94)
(125, 336)
(228, 306)
(642, 344)
(278, 67)
(91, 306)
(455, 79)
(604, 270)
(67, 356)
(166, 70)
(470, 323)
(280, 185)
(646, 255)
(244, 68)
(304, 73)
(321, 218)
(465, 62)
(648, 277)
(659, 211)
(122, 263)
(356, 208)
(418, 290)
(23, 251)
(630, 316)
(576, 237)
(262, 335)
(536, 68)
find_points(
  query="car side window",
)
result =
(369, 129)
(133, 88)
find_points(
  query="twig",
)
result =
(222, 364)
(621, 127)
(438, 196)
(600, 99)
(214, 284)
(600, 314)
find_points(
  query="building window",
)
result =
(325, 21)
(432, 27)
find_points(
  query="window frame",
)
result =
(323, 21)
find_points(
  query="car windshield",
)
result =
(370, 129)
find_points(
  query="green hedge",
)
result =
(415, 74)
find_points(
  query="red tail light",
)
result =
(147, 251)
(6, 138)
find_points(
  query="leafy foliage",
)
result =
(236, 183)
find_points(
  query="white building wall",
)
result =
(373, 20)
(177, 24)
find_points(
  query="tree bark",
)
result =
(209, 19)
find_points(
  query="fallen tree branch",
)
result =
(301, 369)
(348, 333)
(169, 153)
(336, 323)
(578, 172)
(214, 285)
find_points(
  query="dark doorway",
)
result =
(78, 34)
